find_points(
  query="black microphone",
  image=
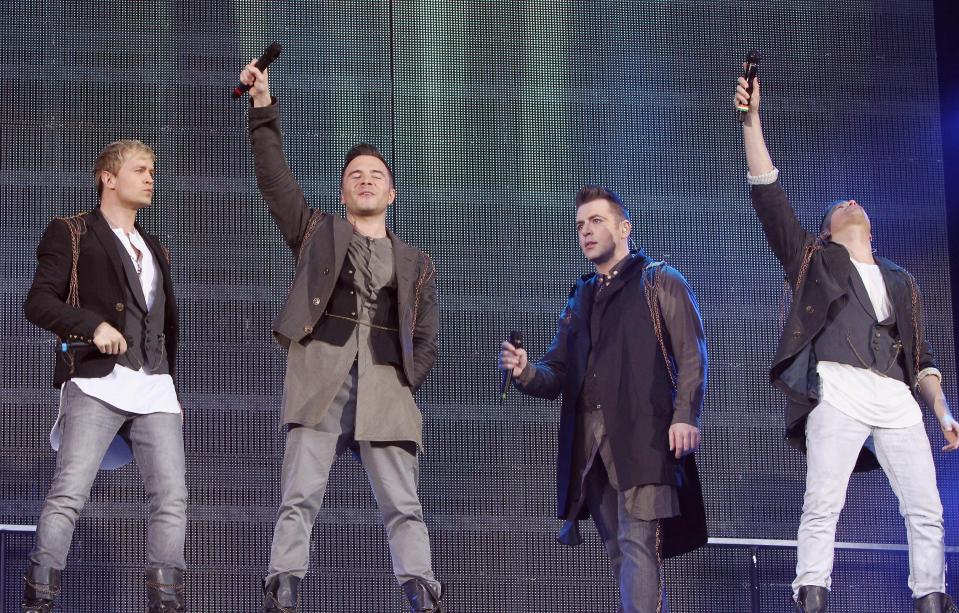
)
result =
(272, 52)
(749, 73)
(516, 340)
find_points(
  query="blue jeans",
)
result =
(833, 441)
(633, 546)
(89, 425)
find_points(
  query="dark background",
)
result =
(493, 114)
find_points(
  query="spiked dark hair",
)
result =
(365, 149)
(589, 193)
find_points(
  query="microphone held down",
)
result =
(516, 340)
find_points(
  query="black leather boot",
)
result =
(165, 590)
(812, 599)
(280, 594)
(935, 603)
(41, 585)
(422, 597)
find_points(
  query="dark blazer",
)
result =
(825, 281)
(319, 242)
(635, 392)
(73, 309)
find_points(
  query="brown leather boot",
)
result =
(280, 594)
(422, 597)
(812, 599)
(41, 584)
(165, 590)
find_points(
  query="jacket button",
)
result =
(878, 334)
(119, 307)
(350, 271)
(326, 271)
(816, 281)
(307, 329)
(353, 313)
(599, 406)
(809, 309)
(352, 292)
(316, 301)
(797, 334)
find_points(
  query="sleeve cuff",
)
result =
(766, 178)
(527, 375)
(925, 372)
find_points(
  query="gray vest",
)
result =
(854, 336)
(143, 329)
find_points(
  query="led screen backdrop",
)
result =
(493, 114)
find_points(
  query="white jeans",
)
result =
(833, 442)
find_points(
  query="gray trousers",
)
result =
(393, 472)
(89, 426)
(833, 441)
(632, 544)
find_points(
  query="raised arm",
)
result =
(786, 237)
(277, 185)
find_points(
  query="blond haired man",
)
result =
(103, 286)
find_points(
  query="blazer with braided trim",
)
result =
(99, 292)
(822, 285)
(319, 243)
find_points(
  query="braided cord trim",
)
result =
(651, 290)
(429, 270)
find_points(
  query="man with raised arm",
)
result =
(360, 325)
(851, 359)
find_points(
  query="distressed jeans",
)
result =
(833, 441)
(156, 439)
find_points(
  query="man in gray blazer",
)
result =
(360, 325)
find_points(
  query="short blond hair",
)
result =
(113, 155)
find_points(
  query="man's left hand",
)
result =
(683, 439)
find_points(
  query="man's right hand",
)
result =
(260, 90)
(511, 357)
(744, 98)
(109, 340)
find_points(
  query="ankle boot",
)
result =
(422, 597)
(280, 594)
(41, 584)
(935, 603)
(165, 590)
(812, 599)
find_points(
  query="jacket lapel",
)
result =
(133, 279)
(108, 241)
(159, 256)
(899, 293)
(404, 261)
(859, 289)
